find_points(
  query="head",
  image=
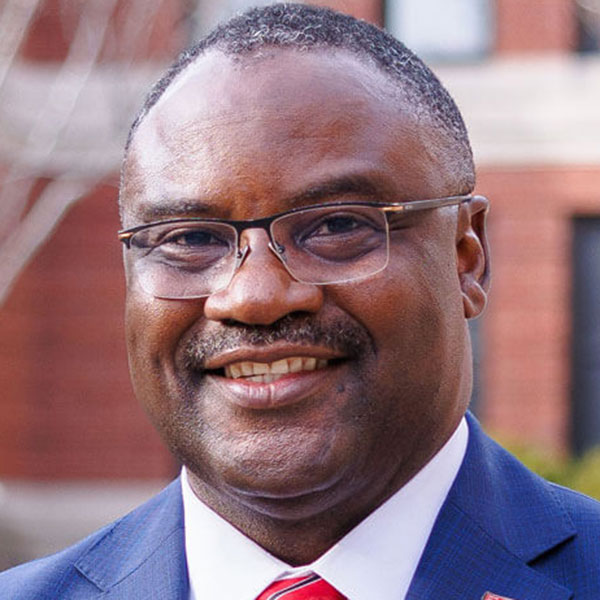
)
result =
(305, 28)
(283, 107)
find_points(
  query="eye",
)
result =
(183, 238)
(196, 246)
(342, 235)
(337, 224)
(341, 224)
(191, 238)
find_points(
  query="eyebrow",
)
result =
(355, 185)
(345, 185)
(180, 207)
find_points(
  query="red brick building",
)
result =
(530, 96)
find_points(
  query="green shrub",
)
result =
(582, 474)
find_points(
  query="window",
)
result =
(588, 26)
(585, 369)
(442, 29)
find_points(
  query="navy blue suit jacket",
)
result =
(502, 529)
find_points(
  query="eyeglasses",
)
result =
(320, 245)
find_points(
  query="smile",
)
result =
(261, 372)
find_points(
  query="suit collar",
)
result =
(509, 502)
(142, 555)
(498, 518)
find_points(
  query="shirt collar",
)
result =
(376, 559)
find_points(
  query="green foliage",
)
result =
(581, 474)
(585, 474)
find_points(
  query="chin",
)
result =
(281, 487)
(289, 507)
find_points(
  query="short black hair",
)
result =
(305, 27)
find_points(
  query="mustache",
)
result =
(338, 335)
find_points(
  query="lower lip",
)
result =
(289, 389)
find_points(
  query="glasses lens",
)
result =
(333, 244)
(190, 259)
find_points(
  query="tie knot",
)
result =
(307, 587)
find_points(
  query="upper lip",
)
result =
(269, 354)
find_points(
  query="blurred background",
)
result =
(76, 450)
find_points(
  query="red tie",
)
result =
(309, 587)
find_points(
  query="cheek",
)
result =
(153, 329)
(412, 310)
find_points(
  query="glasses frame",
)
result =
(265, 223)
(125, 235)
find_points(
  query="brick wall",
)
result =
(55, 26)
(526, 331)
(535, 26)
(67, 408)
(369, 10)
(66, 405)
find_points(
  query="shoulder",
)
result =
(584, 512)
(553, 529)
(575, 563)
(537, 496)
(61, 575)
(45, 577)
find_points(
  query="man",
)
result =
(302, 250)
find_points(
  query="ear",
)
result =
(473, 258)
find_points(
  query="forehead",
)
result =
(269, 128)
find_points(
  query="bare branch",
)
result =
(72, 77)
(43, 137)
(14, 21)
(37, 226)
(56, 139)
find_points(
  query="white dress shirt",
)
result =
(374, 561)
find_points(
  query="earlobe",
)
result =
(473, 255)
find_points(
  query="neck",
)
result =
(296, 530)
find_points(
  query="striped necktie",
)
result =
(308, 587)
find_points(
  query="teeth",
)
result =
(236, 371)
(268, 372)
(280, 366)
(246, 368)
(260, 368)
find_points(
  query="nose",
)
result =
(261, 291)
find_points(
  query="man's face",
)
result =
(253, 137)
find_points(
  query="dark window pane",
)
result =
(588, 26)
(585, 373)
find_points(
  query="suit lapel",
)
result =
(461, 562)
(143, 555)
(161, 576)
(497, 519)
